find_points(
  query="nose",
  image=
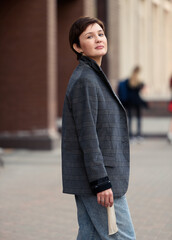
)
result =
(98, 38)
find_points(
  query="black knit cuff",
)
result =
(100, 185)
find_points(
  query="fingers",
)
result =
(111, 200)
(98, 199)
(105, 198)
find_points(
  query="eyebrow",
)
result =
(101, 30)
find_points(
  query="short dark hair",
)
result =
(78, 27)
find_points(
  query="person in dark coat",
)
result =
(95, 142)
(129, 94)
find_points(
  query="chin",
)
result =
(102, 54)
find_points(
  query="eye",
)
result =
(89, 37)
(101, 34)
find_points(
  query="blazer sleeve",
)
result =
(84, 104)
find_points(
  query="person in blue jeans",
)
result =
(95, 141)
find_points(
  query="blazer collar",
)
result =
(98, 69)
(90, 62)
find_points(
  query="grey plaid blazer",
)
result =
(95, 143)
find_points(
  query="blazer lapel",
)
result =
(110, 87)
(98, 69)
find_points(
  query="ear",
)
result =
(77, 48)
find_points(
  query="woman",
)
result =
(95, 145)
(134, 102)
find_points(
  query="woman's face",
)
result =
(93, 42)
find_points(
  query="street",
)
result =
(32, 206)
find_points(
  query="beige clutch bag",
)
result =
(112, 220)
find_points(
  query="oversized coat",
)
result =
(95, 142)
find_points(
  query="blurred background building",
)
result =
(36, 60)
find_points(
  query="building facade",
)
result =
(36, 60)
(139, 33)
(147, 26)
(143, 36)
(28, 74)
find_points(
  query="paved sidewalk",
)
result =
(154, 126)
(32, 206)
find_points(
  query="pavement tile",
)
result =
(32, 206)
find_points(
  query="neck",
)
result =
(98, 60)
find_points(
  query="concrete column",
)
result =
(122, 34)
(132, 35)
(52, 63)
(155, 46)
(90, 8)
(125, 31)
(113, 41)
(159, 86)
(142, 60)
(102, 14)
(148, 63)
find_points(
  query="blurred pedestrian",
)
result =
(129, 94)
(95, 144)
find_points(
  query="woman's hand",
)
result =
(105, 198)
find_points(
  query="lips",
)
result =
(99, 47)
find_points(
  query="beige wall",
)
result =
(144, 37)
